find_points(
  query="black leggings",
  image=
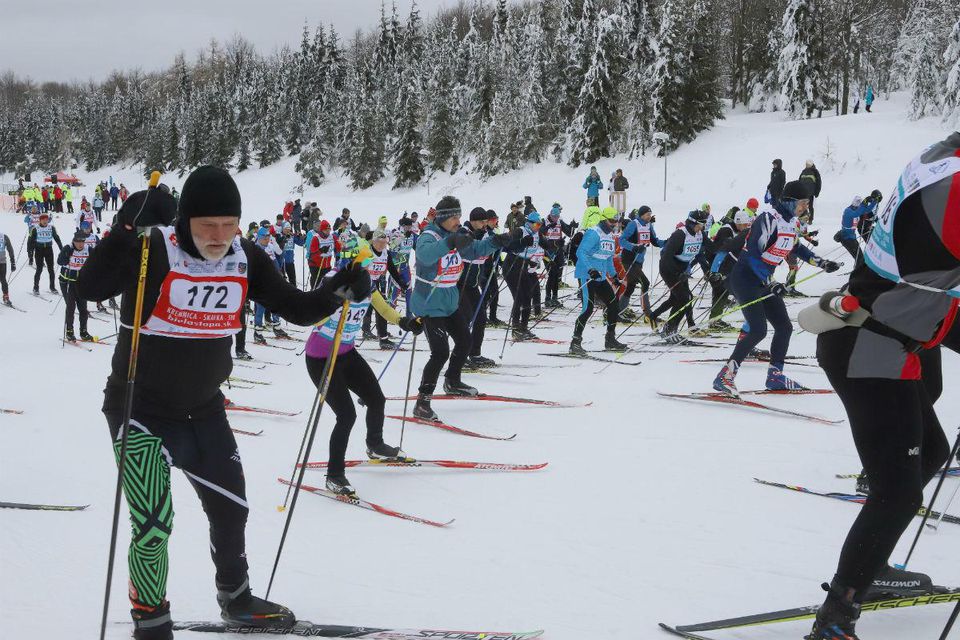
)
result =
(493, 295)
(747, 288)
(291, 270)
(437, 330)
(597, 291)
(43, 254)
(679, 299)
(205, 449)
(3, 278)
(351, 373)
(521, 283)
(634, 275)
(554, 274)
(901, 445)
(469, 301)
(72, 303)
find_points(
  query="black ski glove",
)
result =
(828, 265)
(502, 240)
(715, 276)
(413, 325)
(147, 208)
(778, 289)
(351, 283)
(594, 274)
(459, 239)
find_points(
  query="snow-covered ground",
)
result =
(647, 511)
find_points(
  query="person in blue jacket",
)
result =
(858, 216)
(598, 281)
(516, 273)
(440, 251)
(593, 185)
(772, 237)
(868, 98)
(636, 237)
(290, 241)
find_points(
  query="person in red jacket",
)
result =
(287, 210)
(322, 252)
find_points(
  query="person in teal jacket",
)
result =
(598, 281)
(593, 185)
(440, 251)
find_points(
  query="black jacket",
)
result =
(812, 174)
(670, 266)
(179, 377)
(778, 178)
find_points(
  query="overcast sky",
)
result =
(80, 39)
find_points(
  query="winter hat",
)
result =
(379, 234)
(705, 207)
(478, 214)
(44, 215)
(324, 225)
(778, 163)
(856, 201)
(252, 226)
(364, 229)
(534, 218)
(263, 232)
(492, 215)
(609, 213)
(80, 236)
(642, 210)
(85, 225)
(697, 217)
(405, 221)
(795, 190)
(753, 204)
(209, 191)
(742, 217)
(447, 207)
(382, 220)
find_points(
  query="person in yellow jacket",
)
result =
(68, 197)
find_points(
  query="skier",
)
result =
(492, 272)
(262, 314)
(380, 265)
(810, 176)
(778, 178)
(555, 232)
(290, 241)
(727, 245)
(441, 249)
(682, 249)
(598, 281)
(636, 237)
(401, 245)
(43, 236)
(772, 237)
(71, 259)
(323, 250)
(850, 222)
(517, 275)
(198, 275)
(475, 286)
(6, 248)
(353, 374)
(885, 367)
(593, 185)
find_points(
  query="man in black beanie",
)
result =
(474, 289)
(199, 274)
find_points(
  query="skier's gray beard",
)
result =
(214, 253)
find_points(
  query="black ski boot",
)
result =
(369, 335)
(837, 617)
(480, 362)
(86, 337)
(113, 304)
(383, 451)
(152, 623)
(576, 346)
(340, 485)
(243, 355)
(900, 583)
(387, 344)
(240, 607)
(6, 300)
(423, 410)
(458, 388)
(258, 337)
(610, 343)
(69, 337)
(280, 333)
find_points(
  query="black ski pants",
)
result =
(437, 331)
(901, 445)
(205, 450)
(493, 295)
(636, 275)
(470, 305)
(4, 287)
(522, 284)
(43, 253)
(554, 274)
(241, 337)
(290, 270)
(597, 291)
(351, 373)
(72, 303)
(679, 302)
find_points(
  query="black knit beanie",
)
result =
(448, 206)
(478, 214)
(208, 191)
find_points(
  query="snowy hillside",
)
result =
(647, 510)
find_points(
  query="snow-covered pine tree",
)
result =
(533, 109)
(951, 89)
(407, 151)
(268, 138)
(641, 46)
(797, 64)
(438, 95)
(922, 56)
(561, 88)
(368, 153)
(669, 76)
(595, 122)
(701, 90)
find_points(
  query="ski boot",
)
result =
(724, 382)
(340, 485)
(101, 308)
(610, 342)
(700, 332)
(152, 623)
(36, 291)
(496, 322)
(720, 325)
(776, 381)
(243, 355)
(6, 300)
(628, 314)
(369, 335)
(86, 337)
(672, 336)
(384, 451)
(458, 388)
(68, 336)
(576, 346)
(53, 289)
(274, 323)
(240, 607)
(113, 304)
(258, 337)
(280, 333)
(387, 344)
(480, 362)
(900, 583)
(863, 484)
(423, 410)
(837, 617)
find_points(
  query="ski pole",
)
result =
(953, 618)
(406, 395)
(933, 499)
(128, 396)
(315, 413)
(433, 287)
(516, 303)
(946, 508)
(483, 294)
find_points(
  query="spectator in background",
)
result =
(123, 194)
(68, 196)
(618, 196)
(855, 99)
(98, 205)
(296, 216)
(868, 99)
(515, 218)
(176, 196)
(114, 194)
(593, 185)
(778, 178)
(527, 206)
(45, 194)
(57, 198)
(287, 210)
(810, 176)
